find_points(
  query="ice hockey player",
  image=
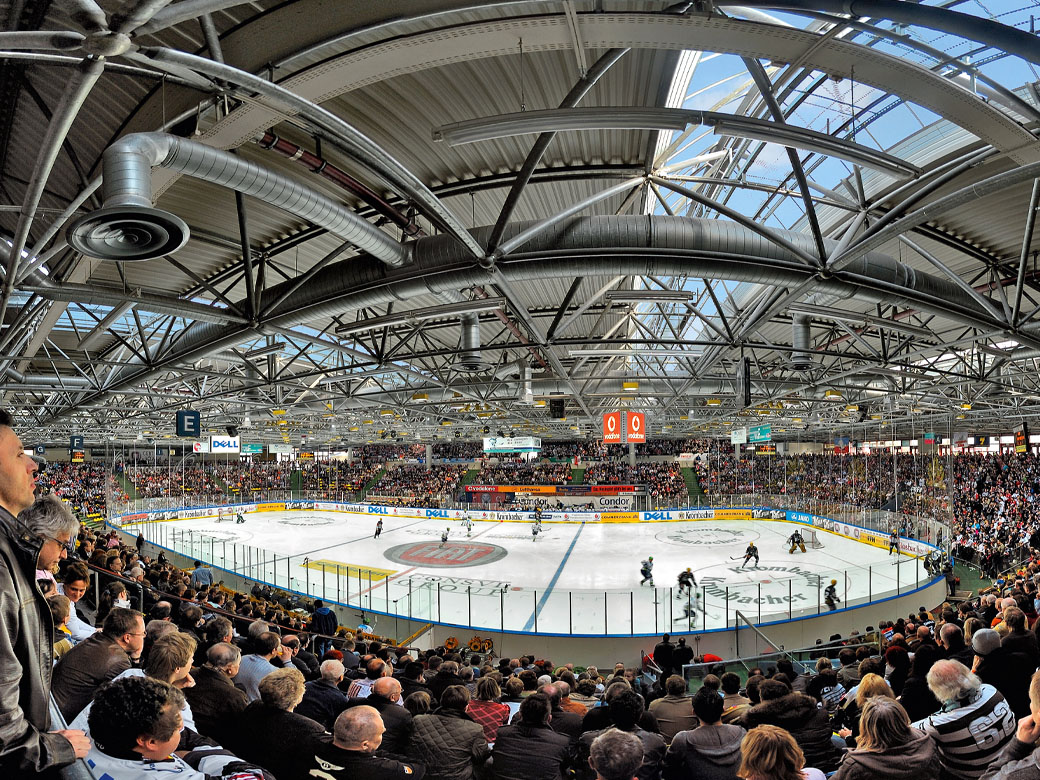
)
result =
(239, 517)
(647, 570)
(796, 540)
(468, 522)
(830, 596)
(893, 542)
(444, 537)
(379, 528)
(749, 553)
(687, 583)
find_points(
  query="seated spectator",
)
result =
(530, 749)
(917, 698)
(674, 712)
(356, 736)
(447, 740)
(711, 751)
(1019, 759)
(418, 703)
(1004, 668)
(563, 722)
(798, 714)
(626, 707)
(770, 753)
(114, 594)
(848, 674)
(616, 755)
(888, 747)
(60, 608)
(98, 659)
(323, 701)
(447, 674)
(486, 709)
(271, 734)
(214, 699)
(362, 687)
(136, 724)
(969, 708)
(257, 665)
(75, 584)
(846, 718)
(824, 686)
(385, 699)
(412, 679)
(734, 705)
(599, 718)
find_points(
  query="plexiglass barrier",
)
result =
(780, 592)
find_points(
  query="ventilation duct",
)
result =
(54, 380)
(526, 386)
(469, 347)
(128, 227)
(801, 341)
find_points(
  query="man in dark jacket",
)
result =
(448, 740)
(215, 701)
(386, 700)
(951, 642)
(412, 679)
(1007, 671)
(26, 652)
(323, 621)
(663, 653)
(599, 718)
(683, 655)
(356, 736)
(567, 723)
(97, 660)
(709, 752)
(531, 749)
(448, 674)
(626, 707)
(797, 713)
(323, 701)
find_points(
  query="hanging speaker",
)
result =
(232, 430)
(128, 233)
(556, 408)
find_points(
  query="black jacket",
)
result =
(26, 658)
(342, 764)
(525, 752)
(809, 725)
(215, 703)
(322, 702)
(397, 721)
(282, 742)
(653, 754)
(442, 680)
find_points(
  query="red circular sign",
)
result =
(451, 554)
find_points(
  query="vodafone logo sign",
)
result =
(636, 427)
(612, 428)
(611, 424)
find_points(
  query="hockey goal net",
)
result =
(812, 540)
(224, 514)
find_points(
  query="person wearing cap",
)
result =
(1005, 669)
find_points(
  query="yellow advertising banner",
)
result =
(349, 569)
(619, 517)
(270, 507)
(732, 514)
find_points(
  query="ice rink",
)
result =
(574, 579)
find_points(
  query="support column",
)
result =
(631, 454)
(429, 456)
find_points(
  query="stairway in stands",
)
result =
(693, 485)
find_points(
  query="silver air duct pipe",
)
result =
(526, 387)
(469, 344)
(130, 228)
(55, 381)
(801, 341)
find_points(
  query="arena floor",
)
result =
(574, 579)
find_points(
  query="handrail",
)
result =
(79, 770)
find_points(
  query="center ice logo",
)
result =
(704, 536)
(445, 556)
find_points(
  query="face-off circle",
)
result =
(451, 555)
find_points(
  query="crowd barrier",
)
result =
(790, 592)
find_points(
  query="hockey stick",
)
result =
(737, 557)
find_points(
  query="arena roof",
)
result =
(453, 212)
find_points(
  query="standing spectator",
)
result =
(888, 747)
(269, 733)
(486, 709)
(201, 576)
(356, 736)
(970, 708)
(683, 655)
(108, 653)
(711, 751)
(663, 656)
(674, 712)
(530, 749)
(323, 621)
(26, 746)
(448, 741)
